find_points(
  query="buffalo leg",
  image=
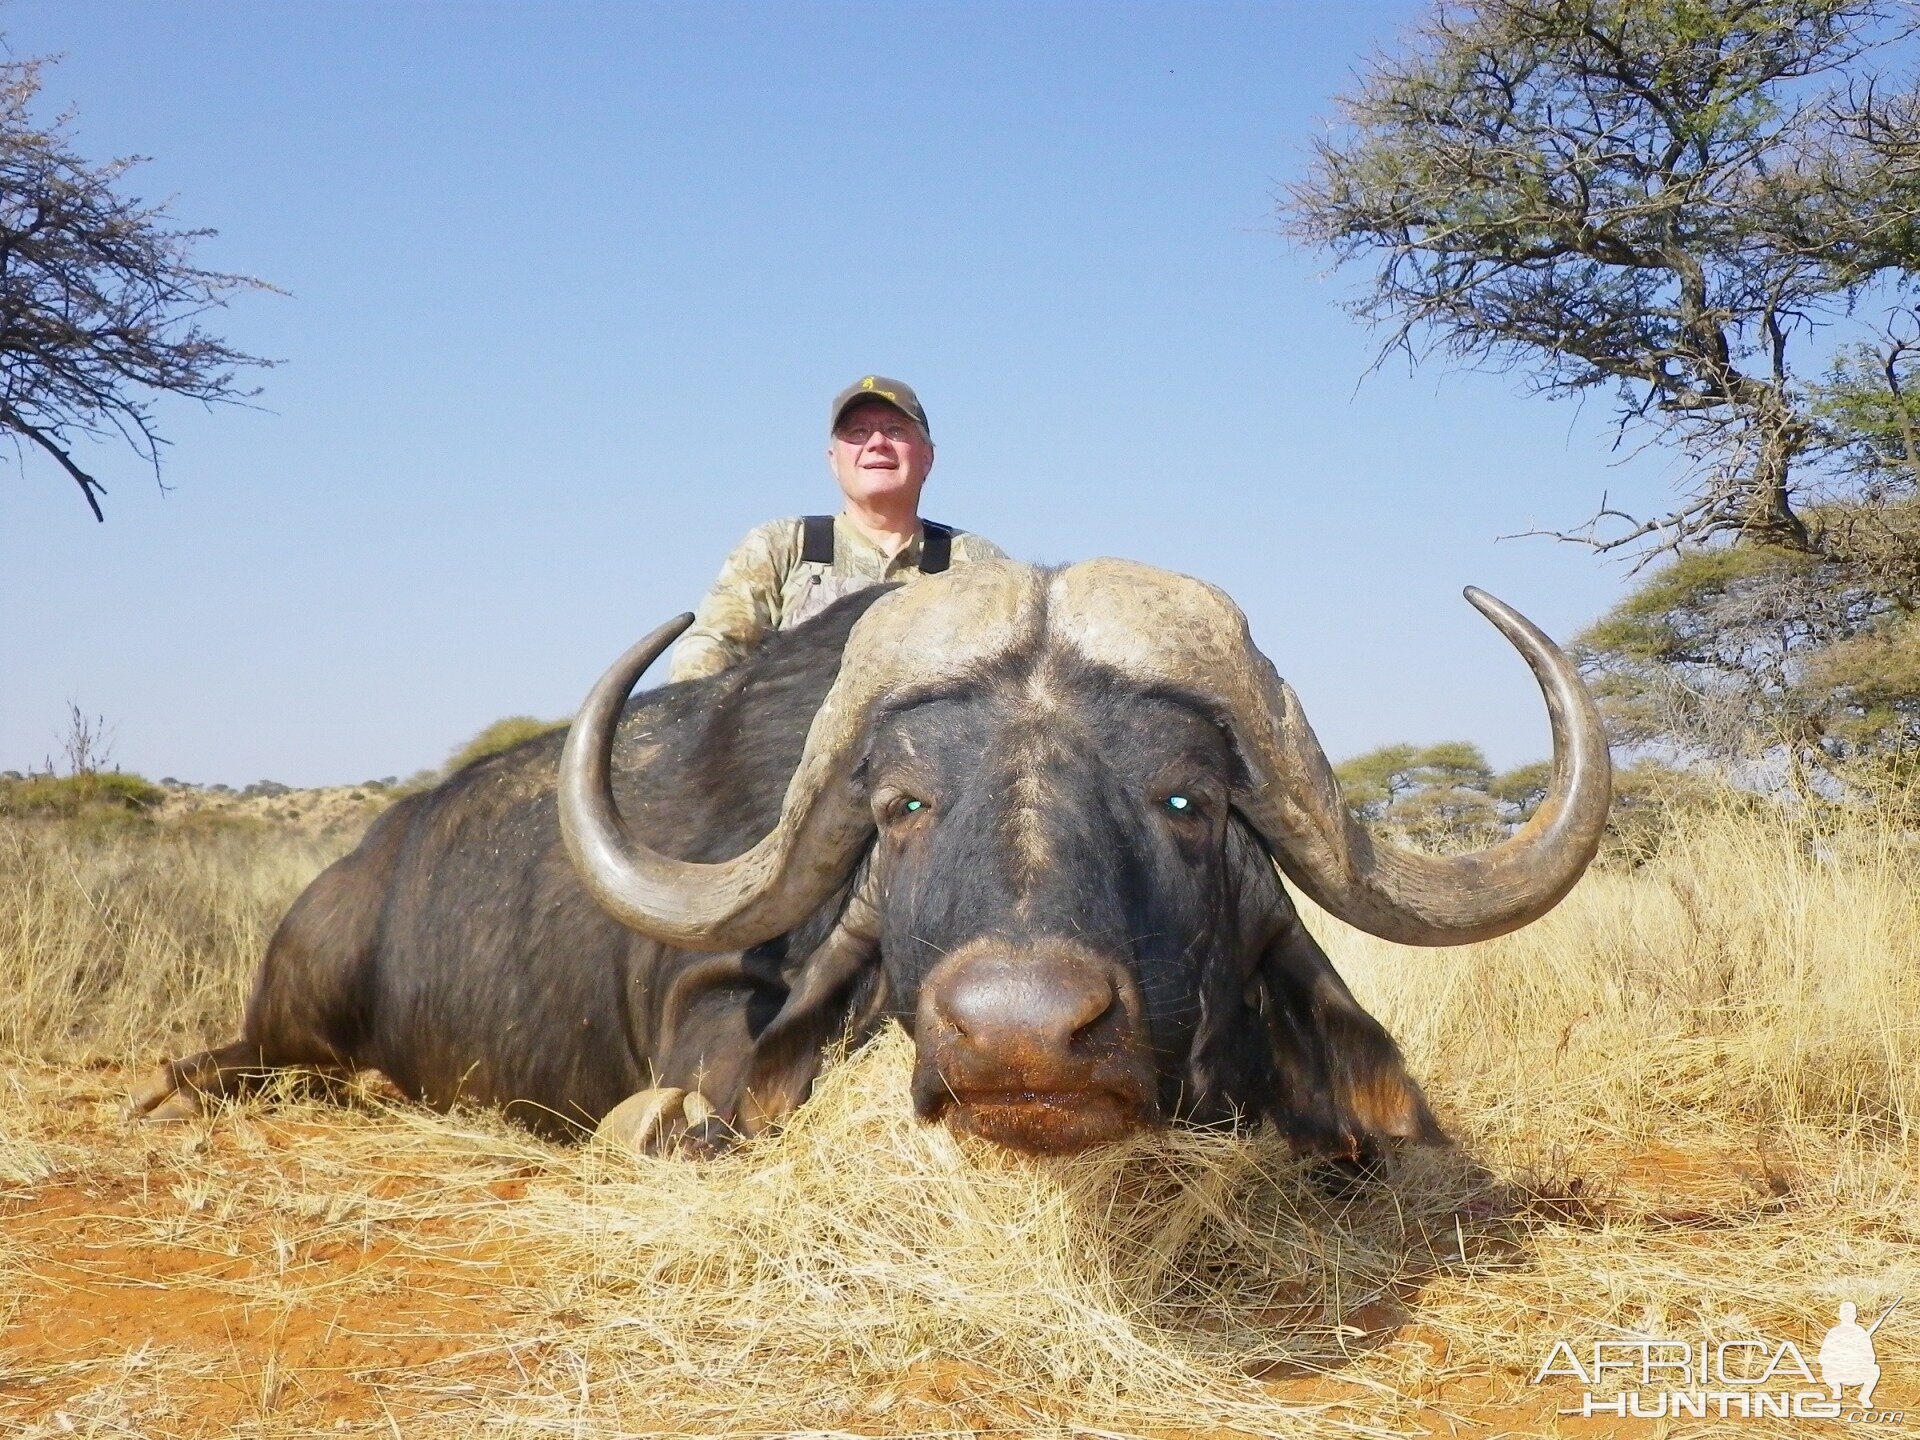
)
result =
(702, 1107)
(183, 1089)
(280, 1034)
(307, 1002)
(665, 1119)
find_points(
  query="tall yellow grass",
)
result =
(1754, 976)
(120, 940)
(1745, 1010)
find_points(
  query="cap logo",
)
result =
(867, 384)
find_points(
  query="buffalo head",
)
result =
(1043, 809)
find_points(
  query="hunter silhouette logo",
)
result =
(1747, 1379)
(1846, 1355)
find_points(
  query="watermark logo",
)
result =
(1846, 1355)
(1749, 1379)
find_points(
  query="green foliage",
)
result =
(1667, 199)
(1523, 788)
(500, 735)
(1447, 798)
(72, 796)
(1373, 781)
(1870, 413)
(1443, 796)
(1378, 780)
(1770, 658)
(1453, 764)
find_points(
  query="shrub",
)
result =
(500, 735)
(66, 796)
(1654, 803)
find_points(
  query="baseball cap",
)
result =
(896, 393)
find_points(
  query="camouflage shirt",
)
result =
(765, 586)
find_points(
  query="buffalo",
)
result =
(1037, 816)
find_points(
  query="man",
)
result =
(785, 571)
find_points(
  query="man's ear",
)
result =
(839, 990)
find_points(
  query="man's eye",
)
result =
(860, 434)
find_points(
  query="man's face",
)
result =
(879, 454)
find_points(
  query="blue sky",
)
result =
(569, 287)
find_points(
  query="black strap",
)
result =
(936, 547)
(936, 544)
(816, 542)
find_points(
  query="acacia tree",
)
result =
(1446, 797)
(1444, 794)
(100, 301)
(1667, 199)
(1756, 655)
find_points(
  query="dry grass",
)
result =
(1752, 980)
(1686, 1102)
(119, 940)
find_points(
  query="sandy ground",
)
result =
(1684, 1100)
(307, 1269)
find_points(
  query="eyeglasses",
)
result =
(859, 434)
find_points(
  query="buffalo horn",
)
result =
(1163, 628)
(913, 640)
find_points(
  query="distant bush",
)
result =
(63, 796)
(265, 787)
(1653, 803)
(1446, 798)
(501, 735)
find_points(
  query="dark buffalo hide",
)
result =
(1060, 902)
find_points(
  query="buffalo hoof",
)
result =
(166, 1097)
(186, 1089)
(664, 1121)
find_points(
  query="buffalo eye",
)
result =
(903, 807)
(1184, 808)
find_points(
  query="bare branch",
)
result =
(100, 302)
(89, 487)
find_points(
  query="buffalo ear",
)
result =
(1325, 1038)
(1253, 1055)
(839, 990)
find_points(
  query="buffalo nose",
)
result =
(1009, 1006)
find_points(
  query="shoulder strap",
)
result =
(936, 547)
(816, 540)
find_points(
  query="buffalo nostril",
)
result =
(996, 1000)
